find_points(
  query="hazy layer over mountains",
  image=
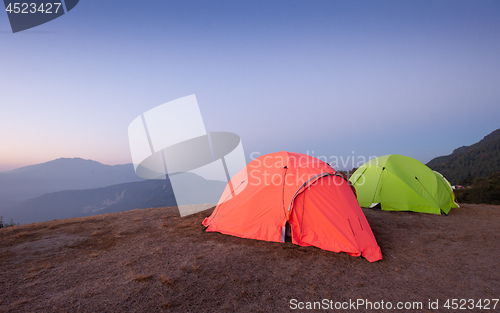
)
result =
(115, 198)
(66, 188)
(57, 175)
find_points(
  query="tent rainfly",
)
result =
(401, 183)
(283, 189)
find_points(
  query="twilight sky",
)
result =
(332, 78)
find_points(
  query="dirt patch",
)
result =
(153, 260)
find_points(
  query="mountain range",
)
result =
(115, 198)
(57, 175)
(477, 160)
(74, 187)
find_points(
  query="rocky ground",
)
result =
(153, 260)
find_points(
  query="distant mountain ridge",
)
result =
(477, 160)
(115, 198)
(57, 175)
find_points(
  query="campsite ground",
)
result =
(151, 260)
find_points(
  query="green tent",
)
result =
(401, 183)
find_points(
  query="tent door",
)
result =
(286, 234)
(288, 230)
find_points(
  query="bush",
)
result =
(3, 224)
(482, 190)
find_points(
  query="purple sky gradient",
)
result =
(418, 78)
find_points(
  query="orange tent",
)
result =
(303, 191)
